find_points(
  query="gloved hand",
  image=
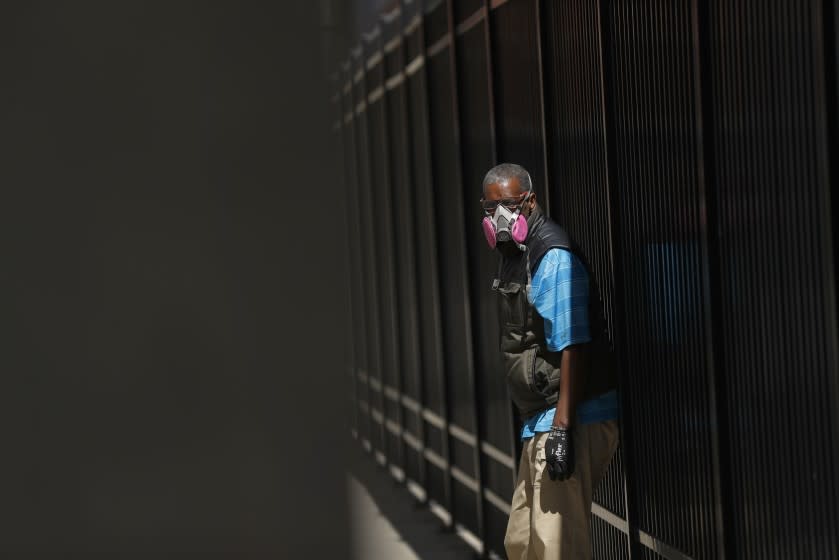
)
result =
(559, 453)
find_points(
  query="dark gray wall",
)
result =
(168, 234)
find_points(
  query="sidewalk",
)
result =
(387, 523)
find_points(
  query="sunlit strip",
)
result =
(391, 393)
(609, 517)
(469, 538)
(397, 473)
(496, 3)
(472, 20)
(465, 479)
(358, 76)
(375, 384)
(377, 416)
(395, 81)
(441, 44)
(392, 15)
(497, 455)
(435, 459)
(380, 458)
(348, 118)
(440, 512)
(415, 65)
(372, 34)
(392, 427)
(374, 59)
(411, 404)
(362, 376)
(354, 433)
(500, 504)
(412, 441)
(393, 44)
(412, 25)
(415, 489)
(365, 443)
(434, 419)
(663, 549)
(460, 434)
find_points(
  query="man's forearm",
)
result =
(571, 383)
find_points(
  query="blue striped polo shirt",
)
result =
(559, 293)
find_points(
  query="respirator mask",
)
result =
(504, 221)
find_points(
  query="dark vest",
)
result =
(532, 370)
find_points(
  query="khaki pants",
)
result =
(549, 519)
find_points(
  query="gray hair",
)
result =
(504, 172)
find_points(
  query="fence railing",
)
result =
(687, 146)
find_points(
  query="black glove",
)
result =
(559, 453)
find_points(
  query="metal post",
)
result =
(830, 207)
(448, 493)
(711, 281)
(389, 291)
(359, 176)
(618, 336)
(374, 345)
(515, 441)
(399, 462)
(540, 65)
(349, 343)
(477, 455)
(408, 28)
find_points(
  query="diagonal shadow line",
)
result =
(420, 529)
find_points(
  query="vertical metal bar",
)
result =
(828, 23)
(515, 442)
(376, 159)
(537, 7)
(711, 281)
(490, 95)
(389, 332)
(361, 157)
(610, 136)
(349, 351)
(374, 252)
(352, 194)
(477, 455)
(358, 53)
(393, 287)
(448, 477)
(358, 264)
(422, 463)
(403, 134)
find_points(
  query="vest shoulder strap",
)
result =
(548, 235)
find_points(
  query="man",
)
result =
(560, 371)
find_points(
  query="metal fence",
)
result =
(687, 146)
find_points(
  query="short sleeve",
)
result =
(559, 293)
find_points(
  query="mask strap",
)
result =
(527, 256)
(524, 247)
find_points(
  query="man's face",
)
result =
(508, 193)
